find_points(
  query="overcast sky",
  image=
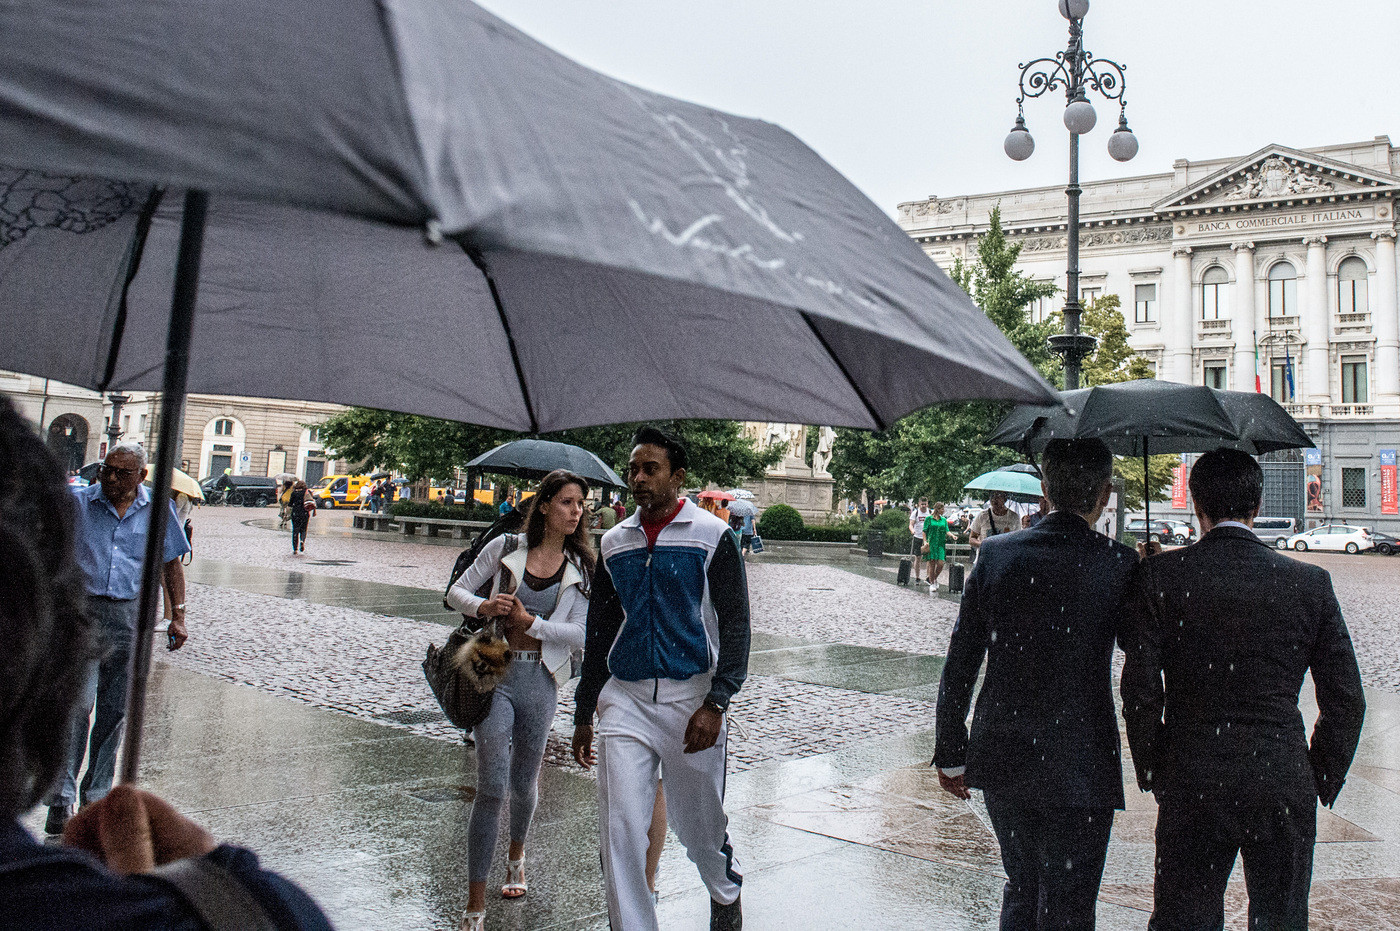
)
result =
(913, 97)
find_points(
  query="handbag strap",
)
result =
(221, 901)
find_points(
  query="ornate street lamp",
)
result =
(114, 426)
(1077, 72)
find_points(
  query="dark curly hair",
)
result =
(49, 640)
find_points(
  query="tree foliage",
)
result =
(937, 450)
(428, 448)
(1113, 361)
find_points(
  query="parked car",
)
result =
(248, 490)
(1386, 544)
(1347, 537)
(1161, 532)
(1182, 531)
(1275, 530)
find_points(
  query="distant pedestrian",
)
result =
(112, 523)
(302, 506)
(617, 507)
(506, 506)
(661, 685)
(1043, 607)
(1234, 627)
(917, 516)
(365, 496)
(935, 545)
(539, 589)
(284, 506)
(746, 532)
(996, 519)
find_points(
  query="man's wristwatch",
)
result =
(178, 607)
(713, 705)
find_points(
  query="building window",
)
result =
(1087, 295)
(1351, 287)
(1353, 380)
(1279, 387)
(1215, 375)
(1145, 303)
(1214, 294)
(223, 428)
(313, 436)
(1283, 290)
(1353, 488)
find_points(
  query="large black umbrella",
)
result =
(1137, 418)
(494, 214)
(537, 458)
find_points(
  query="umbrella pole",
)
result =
(172, 406)
(1146, 498)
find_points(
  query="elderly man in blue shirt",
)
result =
(112, 520)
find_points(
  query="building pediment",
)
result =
(1277, 175)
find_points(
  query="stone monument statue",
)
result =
(821, 456)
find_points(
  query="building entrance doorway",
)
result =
(67, 440)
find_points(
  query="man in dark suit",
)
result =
(1043, 607)
(1235, 625)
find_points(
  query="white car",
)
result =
(1346, 537)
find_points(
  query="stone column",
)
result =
(1317, 323)
(1386, 321)
(1179, 327)
(1243, 324)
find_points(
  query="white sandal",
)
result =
(473, 921)
(515, 879)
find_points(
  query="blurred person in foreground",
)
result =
(1044, 607)
(105, 875)
(1233, 626)
(111, 523)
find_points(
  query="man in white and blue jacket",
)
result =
(667, 647)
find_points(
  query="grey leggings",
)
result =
(509, 749)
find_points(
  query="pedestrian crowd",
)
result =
(1218, 637)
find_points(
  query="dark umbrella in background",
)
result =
(537, 458)
(520, 204)
(1138, 418)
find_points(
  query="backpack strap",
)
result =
(221, 901)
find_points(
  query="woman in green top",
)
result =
(935, 539)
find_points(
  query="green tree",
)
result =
(1112, 361)
(937, 450)
(428, 448)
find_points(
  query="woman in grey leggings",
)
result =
(539, 587)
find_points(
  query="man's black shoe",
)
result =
(57, 819)
(726, 917)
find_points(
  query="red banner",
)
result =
(1389, 502)
(1179, 486)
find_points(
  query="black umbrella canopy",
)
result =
(1139, 417)
(537, 458)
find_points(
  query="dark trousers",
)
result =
(1054, 861)
(1196, 848)
(298, 534)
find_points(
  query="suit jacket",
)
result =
(1233, 625)
(1043, 607)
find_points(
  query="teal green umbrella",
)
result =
(1019, 485)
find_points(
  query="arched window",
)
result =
(1283, 290)
(1214, 294)
(223, 428)
(1351, 287)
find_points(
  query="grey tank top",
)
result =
(539, 596)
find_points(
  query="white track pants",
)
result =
(634, 736)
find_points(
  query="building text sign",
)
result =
(1275, 222)
(1389, 502)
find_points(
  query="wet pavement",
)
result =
(271, 728)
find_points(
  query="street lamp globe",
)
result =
(1080, 116)
(1019, 145)
(1122, 145)
(1074, 9)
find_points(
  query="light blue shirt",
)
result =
(110, 549)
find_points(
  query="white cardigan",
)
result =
(561, 633)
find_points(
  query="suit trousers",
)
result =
(1054, 860)
(1196, 847)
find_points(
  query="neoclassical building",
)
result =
(1277, 268)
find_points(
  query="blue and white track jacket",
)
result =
(670, 623)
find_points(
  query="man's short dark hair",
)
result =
(1074, 472)
(655, 436)
(1227, 484)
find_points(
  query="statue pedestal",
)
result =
(810, 495)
